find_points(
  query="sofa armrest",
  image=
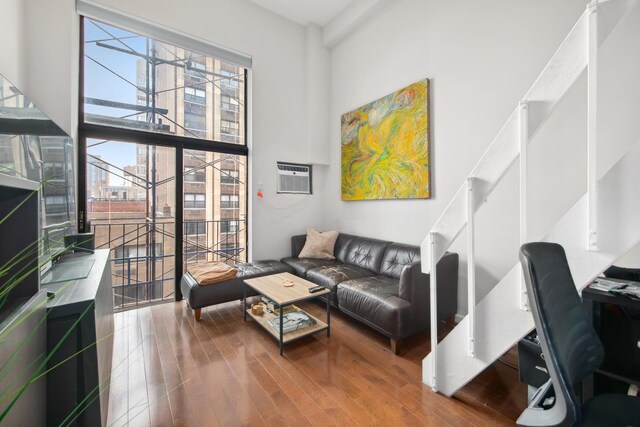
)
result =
(297, 243)
(413, 282)
(414, 287)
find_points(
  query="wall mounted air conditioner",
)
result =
(294, 178)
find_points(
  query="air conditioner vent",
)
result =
(294, 178)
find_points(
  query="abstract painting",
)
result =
(385, 147)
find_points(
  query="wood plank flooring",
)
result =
(170, 370)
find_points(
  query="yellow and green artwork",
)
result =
(385, 147)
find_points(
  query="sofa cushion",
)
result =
(331, 276)
(374, 300)
(396, 256)
(319, 245)
(341, 249)
(366, 253)
(249, 270)
(301, 266)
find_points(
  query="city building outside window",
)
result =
(227, 103)
(122, 253)
(195, 228)
(229, 201)
(229, 127)
(228, 226)
(229, 78)
(229, 176)
(197, 96)
(195, 175)
(194, 201)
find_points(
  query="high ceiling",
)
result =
(320, 12)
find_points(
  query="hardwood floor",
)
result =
(170, 370)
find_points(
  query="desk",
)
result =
(594, 300)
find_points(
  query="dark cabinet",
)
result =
(80, 325)
(21, 354)
(531, 363)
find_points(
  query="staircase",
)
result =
(601, 227)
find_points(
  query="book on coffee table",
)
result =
(286, 309)
(292, 321)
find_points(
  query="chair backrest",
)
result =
(571, 346)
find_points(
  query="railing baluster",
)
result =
(128, 281)
(524, 143)
(471, 266)
(162, 263)
(592, 101)
(434, 309)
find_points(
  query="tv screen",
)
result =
(20, 231)
(34, 148)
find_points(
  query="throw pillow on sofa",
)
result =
(319, 245)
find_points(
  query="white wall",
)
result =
(51, 41)
(481, 58)
(38, 53)
(278, 91)
(12, 53)
(318, 82)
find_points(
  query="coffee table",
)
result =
(272, 288)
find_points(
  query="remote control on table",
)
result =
(316, 289)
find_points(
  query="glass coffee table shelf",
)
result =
(272, 288)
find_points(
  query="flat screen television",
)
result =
(35, 154)
(19, 242)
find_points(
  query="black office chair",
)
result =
(571, 347)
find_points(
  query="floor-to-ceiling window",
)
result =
(164, 159)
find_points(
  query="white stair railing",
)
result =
(592, 110)
(577, 52)
(433, 237)
(524, 141)
(471, 265)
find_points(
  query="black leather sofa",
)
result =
(380, 283)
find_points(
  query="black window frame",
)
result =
(179, 143)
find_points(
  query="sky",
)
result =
(101, 84)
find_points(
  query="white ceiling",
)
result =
(319, 12)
